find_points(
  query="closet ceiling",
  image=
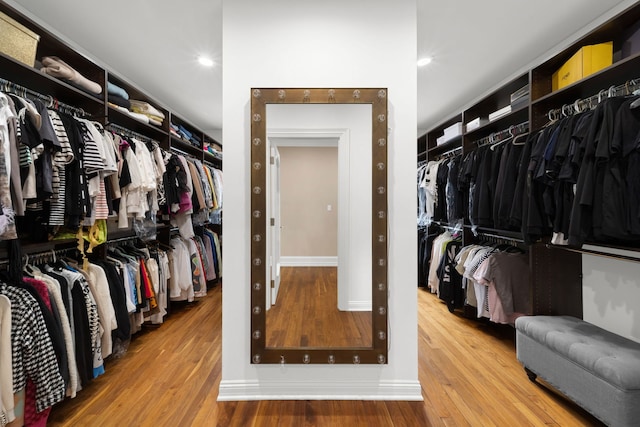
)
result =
(154, 45)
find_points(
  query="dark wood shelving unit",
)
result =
(96, 108)
(556, 271)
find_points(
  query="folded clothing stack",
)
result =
(118, 96)
(154, 116)
(173, 129)
(213, 149)
(183, 133)
(55, 67)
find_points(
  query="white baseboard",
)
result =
(359, 306)
(309, 261)
(305, 390)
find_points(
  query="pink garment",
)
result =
(185, 202)
(101, 207)
(33, 418)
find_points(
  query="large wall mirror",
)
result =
(319, 226)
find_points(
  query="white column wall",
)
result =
(289, 43)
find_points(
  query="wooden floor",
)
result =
(312, 293)
(170, 377)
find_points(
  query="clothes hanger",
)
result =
(636, 103)
(519, 137)
(552, 115)
(27, 268)
(506, 139)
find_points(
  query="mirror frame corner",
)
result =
(378, 352)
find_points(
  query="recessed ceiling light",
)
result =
(424, 61)
(204, 61)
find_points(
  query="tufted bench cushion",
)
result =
(596, 368)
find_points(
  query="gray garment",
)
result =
(509, 273)
(16, 184)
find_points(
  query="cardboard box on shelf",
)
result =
(585, 62)
(17, 41)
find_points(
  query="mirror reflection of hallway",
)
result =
(319, 226)
(304, 195)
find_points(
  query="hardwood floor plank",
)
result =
(311, 293)
(170, 377)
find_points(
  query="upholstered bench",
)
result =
(597, 369)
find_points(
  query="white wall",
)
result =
(215, 134)
(289, 43)
(611, 293)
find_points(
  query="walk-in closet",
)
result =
(111, 219)
(425, 213)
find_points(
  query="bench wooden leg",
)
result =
(532, 375)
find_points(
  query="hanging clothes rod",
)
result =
(504, 134)
(503, 238)
(450, 228)
(50, 101)
(121, 240)
(591, 102)
(127, 132)
(596, 253)
(211, 165)
(43, 256)
(451, 153)
(184, 153)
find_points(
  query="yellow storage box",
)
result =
(17, 41)
(586, 61)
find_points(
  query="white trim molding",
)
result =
(319, 390)
(359, 305)
(308, 261)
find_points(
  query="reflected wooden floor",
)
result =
(170, 377)
(306, 313)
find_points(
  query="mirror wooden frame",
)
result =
(378, 352)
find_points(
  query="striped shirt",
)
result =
(32, 350)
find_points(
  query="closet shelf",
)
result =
(599, 253)
(518, 115)
(449, 145)
(123, 119)
(23, 75)
(622, 246)
(617, 73)
(186, 147)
